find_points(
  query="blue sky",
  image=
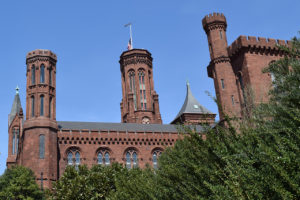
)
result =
(89, 37)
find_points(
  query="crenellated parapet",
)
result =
(40, 55)
(214, 21)
(256, 44)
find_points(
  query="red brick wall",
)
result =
(118, 142)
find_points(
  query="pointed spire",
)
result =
(16, 107)
(191, 105)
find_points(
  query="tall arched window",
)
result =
(70, 158)
(32, 106)
(142, 90)
(33, 74)
(50, 107)
(132, 86)
(73, 158)
(103, 157)
(13, 142)
(42, 106)
(42, 146)
(17, 140)
(155, 155)
(42, 74)
(77, 159)
(50, 76)
(131, 158)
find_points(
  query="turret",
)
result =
(40, 128)
(15, 122)
(140, 101)
(220, 68)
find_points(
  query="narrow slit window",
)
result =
(232, 99)
(42, 106)
(222, 84)
(32, 106)
(221, 35)
(13, 142)
(42, 74)
(17, 140)
(50, 76)
(50, 107)
(33, 75)
(42, 146)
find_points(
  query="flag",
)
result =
(127, 24)
(129, 46)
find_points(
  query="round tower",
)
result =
(39, 151)
(220, 68)
(140, 101)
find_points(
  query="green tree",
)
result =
(95, 183)
(19, 183)
(259, 161)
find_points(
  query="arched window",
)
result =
(42, 74)
(77, 159)
(73, 158)
(42, 146)
(50, 76)
(142, 90)
(33, 75)
(132, 86)
(42, 106)
(13, 142)
(103, 157)
(17, 132)
(131, 158)
(70, 158)
(32, 106)
(155, 155)
(50, 107)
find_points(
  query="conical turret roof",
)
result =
(191, 105)
(16, 107)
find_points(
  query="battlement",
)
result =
(213, 18)
(259, 43)
(41, 52)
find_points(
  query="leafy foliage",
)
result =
(260, 160)
(96, 183)
(19, 183)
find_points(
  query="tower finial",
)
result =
(187, 82)
(17, 89)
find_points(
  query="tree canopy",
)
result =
(19, 183)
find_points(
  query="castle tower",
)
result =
(39, 149)
(192, 112)
(140, 101)
(220, 68)
(15, 121)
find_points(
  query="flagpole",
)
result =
(131, 36)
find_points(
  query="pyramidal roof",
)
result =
(191, 105)
(16, 107)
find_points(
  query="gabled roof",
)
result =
(191, 105)
(132, 127)
(16, 107)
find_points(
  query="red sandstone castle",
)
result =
(47, 146)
